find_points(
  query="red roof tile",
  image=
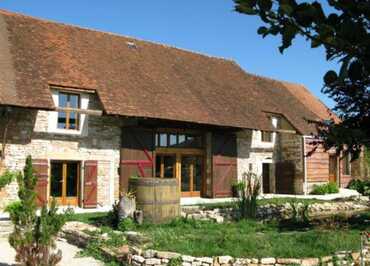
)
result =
(137, 78)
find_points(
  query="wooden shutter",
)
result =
(224, 166)
(40, 168)
(136, 155)
(90, 184)
(285, 172)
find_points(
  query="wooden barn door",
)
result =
(41, 168)
(224, 166)
(136, 155)
(285, 172)
(90, 184)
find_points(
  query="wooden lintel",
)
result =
(286, 131)
(80, 111)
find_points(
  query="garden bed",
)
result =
(251, 239)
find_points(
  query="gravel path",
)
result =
(69, 252)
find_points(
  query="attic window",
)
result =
(68, 119)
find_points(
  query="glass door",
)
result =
(64, 182)
(165, 166)
(191, 175)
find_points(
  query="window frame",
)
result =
(180, 143)
(68, 112)
(264, 134)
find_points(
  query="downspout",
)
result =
(304, 166)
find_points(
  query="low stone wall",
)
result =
(152, 257)
(133, 254)
(273, 211)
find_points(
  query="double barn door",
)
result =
(199, 174)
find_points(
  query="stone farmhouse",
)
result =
(94, 109)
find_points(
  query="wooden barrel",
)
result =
(158, 198)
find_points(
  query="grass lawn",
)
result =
(248, 238)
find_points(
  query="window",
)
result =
(266, 136)
(68, 119)
(174, 140)
(347, 165)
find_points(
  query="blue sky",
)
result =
(205, 26)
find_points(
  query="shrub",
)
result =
(6, 178)
(328, 188)
(361, 186)
(247, 203)
(113, 216)
(34, 236)
(126, 224)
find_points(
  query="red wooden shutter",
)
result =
(40, 168)
(90, 184)
(136, 155)
(224, 170)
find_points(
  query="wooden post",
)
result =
(208, 166)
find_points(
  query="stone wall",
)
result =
(252, 153)
(285, 147)
(277, 211)
(101, 140)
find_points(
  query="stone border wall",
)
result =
(274, 211)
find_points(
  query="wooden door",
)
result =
(191, 177)
(136, 155)
(333, 168)
(224, 166)
(266, 177)
(64, 182)
(285, 172)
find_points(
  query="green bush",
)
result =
(126, 224)
(328, 188)
(34, 235)
(6, 178)
(361, 186)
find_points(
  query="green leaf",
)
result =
(264, 5)
(286, 9)
(330, 77)
(315, 43)
(262, 30)
(355, 71)
(246, 10)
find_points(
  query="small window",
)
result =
(266, 136)
(174, 140)
(68, 119)
(347, 165)
(162, 140)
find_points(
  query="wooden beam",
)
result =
(80, 111)
(286, 131)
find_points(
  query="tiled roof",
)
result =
(137, 78)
